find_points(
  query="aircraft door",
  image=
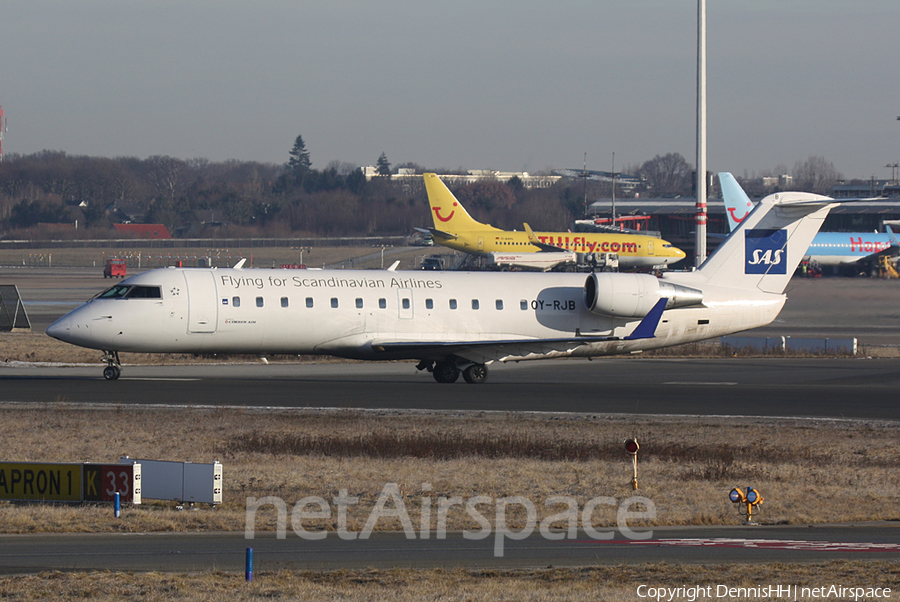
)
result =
(203, 309)
(481, 243)
(404, 302)
(649, 247)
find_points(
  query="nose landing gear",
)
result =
(113, 366)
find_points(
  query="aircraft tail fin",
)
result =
(891, 234)
(737, 204)
(447, 212)
(765, 249)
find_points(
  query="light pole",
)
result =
(894, 167)
(700, 238)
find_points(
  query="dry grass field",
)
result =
(611, 584)
(294, 454)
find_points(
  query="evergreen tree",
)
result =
(383, 166)
(299, 163)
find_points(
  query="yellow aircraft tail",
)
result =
(448, 213)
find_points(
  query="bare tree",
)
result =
(164, 173)
(815, 175)
(667, 175)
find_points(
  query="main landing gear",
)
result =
(113, 366)
(448, 371)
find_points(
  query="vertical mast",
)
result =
(2, 129)
(700, 241)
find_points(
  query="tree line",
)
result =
(46, 194)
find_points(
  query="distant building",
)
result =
(870, 188)
(783, 181)
(470, 177)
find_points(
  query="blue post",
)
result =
(248, 565)
(117, 505)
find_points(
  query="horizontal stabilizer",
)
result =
(533, 239)
(441, 235)
(647, 328)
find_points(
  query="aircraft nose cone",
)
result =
(59, 329)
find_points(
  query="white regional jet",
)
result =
(453, 322)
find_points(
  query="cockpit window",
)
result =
(123, 291)
(116, 292)
(144, 292)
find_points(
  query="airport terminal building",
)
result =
(674, 219)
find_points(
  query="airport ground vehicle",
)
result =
(115, 268)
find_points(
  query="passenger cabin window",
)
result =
(284, 302)
(259, 302)
(406, 304)
(429, 304)
(382, 303)
(334, 302)
(475, 304)
(134, 291)
(523, 304)
(236, 301)
(358, 303)
(309, 302)
(499, 303)
(452, 303)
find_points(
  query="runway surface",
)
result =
(226, 551)
(830, 388)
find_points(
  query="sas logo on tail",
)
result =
(765, 252)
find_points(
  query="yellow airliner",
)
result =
(455, 228)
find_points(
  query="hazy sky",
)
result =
(509, 85)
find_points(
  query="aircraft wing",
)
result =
(533, 239)
(891, 251)
(483, 352)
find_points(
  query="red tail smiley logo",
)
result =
(437, 213)
(737, 219)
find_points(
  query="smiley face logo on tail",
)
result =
(737, 220)
(437, 213)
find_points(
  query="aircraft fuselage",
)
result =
(349, 312)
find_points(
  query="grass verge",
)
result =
(294, 454)
(612, 584)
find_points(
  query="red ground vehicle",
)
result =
(115, 268)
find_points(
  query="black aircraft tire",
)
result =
(445, 372)
(475, 374)
(111, 373)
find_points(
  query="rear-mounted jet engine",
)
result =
(634, 295)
